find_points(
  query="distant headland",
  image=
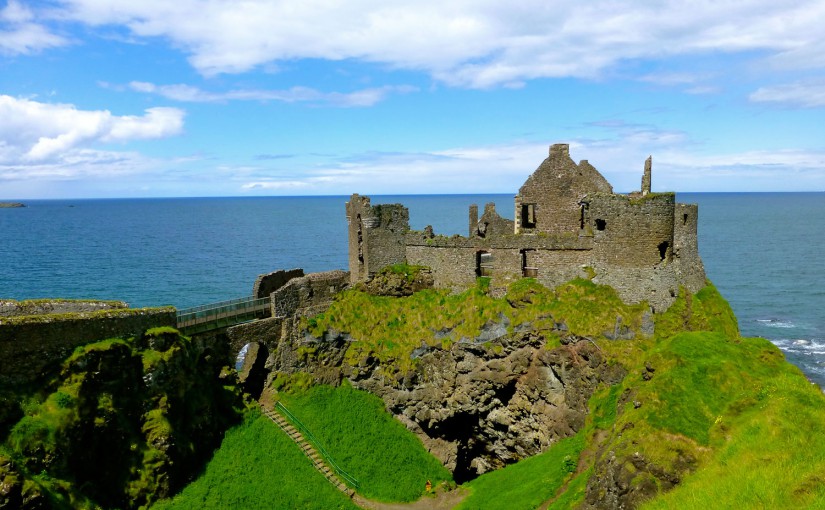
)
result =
(9, 205)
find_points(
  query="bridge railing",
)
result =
(222, 314)
(349, 479)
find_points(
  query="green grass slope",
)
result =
(388, 461)
(705, 419)
(528, 483)
(258, 466)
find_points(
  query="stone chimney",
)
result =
(473, 219)
(560, 149)
(646, 176)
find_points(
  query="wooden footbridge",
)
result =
(222, 314)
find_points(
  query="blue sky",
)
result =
(111, 98)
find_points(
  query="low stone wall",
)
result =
(33, 346)
(308, 295)
(266, 284)
(10, 307)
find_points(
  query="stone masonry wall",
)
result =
(10, 307)
(691, 270)
(308, 295)
(556, 189)
(376, 236)
(266, 284)
(632, 232)
(32, 346)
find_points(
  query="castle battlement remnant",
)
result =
(568, 223)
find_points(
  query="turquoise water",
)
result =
(762, 250)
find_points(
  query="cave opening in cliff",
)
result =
(460, 428)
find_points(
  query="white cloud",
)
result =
(187, 93)
(55, 141)
(677, 166)
(809, 94)
(20, 35)
(469, 42)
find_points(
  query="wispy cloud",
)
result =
(21, 35)
(810, 94)
(678, 166)
(469, 43)
(188, 93)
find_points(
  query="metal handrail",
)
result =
(238, 309)
(305, 431)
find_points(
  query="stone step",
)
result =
(309, 450)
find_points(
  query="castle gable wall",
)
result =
(549, 201)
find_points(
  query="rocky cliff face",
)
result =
(480, 404)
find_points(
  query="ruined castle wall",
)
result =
(452, 266)
(659, 285)
(555, 191)
(689, 265)
(491, 224)
(308, 295)
(10, 307)
(555, 267)
(32, 346)
(376, 236)
(632, 232)
(266, 284)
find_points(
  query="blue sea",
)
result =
(764, 251)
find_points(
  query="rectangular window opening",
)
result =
(528, 215)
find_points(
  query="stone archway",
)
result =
(250, 364)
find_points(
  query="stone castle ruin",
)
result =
(568, 224)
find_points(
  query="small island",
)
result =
(10, 205)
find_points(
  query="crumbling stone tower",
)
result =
(376, 236)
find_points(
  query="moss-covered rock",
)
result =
(127, 422)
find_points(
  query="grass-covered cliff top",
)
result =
(390, 329)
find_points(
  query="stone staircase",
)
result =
(310, 451)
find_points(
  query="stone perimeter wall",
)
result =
(11, 308)
(33, 346)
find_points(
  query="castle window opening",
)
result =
(528, 265)
(528, 215)
(684, 219)
(663, 246)
(600, 224)
(360, 240)
(484, 263)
